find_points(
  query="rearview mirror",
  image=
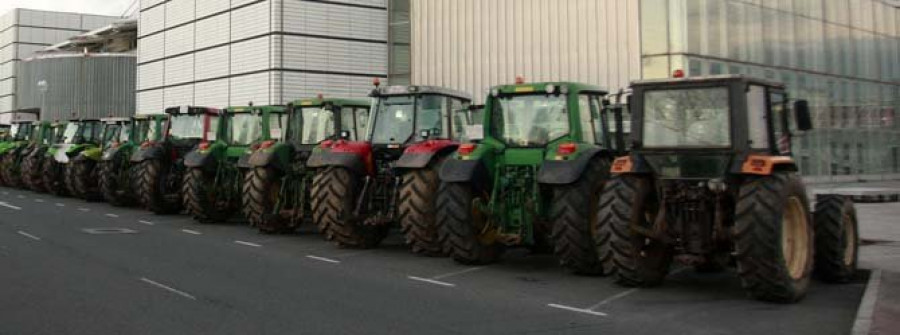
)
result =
(801, 112)
(474, 132)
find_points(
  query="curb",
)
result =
(863, 323)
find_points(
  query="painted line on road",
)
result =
(146, 222)
(431, 281)
(29, 235)
(59, 204)
(3, 204)
(20, 196)
(863, 323)
(451, 274)
(111, 215)
(39, 200)
(575, 309)
(84, 209)
(323, 259)
(613, 298)
(192, 232)
(168, 288)
(249, 244)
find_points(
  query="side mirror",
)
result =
(474, 132)
(801, 112)
(345, 134)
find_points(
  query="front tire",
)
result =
(774, 237)
(463, 229)
(200, 198)
(574, 214)
(334, 196)
(837, 239)
(418, 193)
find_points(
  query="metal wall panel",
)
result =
(150, 3)
(150, 75)
(213, 31)
(6, 70)
(43, 35)
(37, 18)
(179, 70)
(178, 12)
(212, 93)
(7, 86)
(24, 51)
(250, 88)
(209, 7)
(330, 20)
(212, 63)
(7, 53)
(249, 55)
(238, 3)
(298, 85)
(180, 40)
(6, 103)
(472, 45)
(178, 96)
(379, 3)
(250, 21)
(152, 20)
(9, 35)
(8, 19)
(150, 102)
(310, 53)
(151, 48)
(90, 22)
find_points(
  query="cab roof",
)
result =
(538, 87)
(115, 119)
(192, 110)
(248, 109)
(334, 101)
(728, 78)
(410, 90)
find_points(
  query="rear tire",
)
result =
(52, 177)
(31, 173)
(462, 227)
(418, 193)
(81, 179)
(262, 190)
(334, 196)
(837, 239)
(635, 260)
(150, 178)
(574, 214)
(110, 180)
(774, 237)
(11, 176)
(200, 198)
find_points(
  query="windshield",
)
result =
(69, 133)
(529, 120)
(277, 125)
(111, 133)
(244, 128)
(189, 126)
(686, 118)
(393, 120)
(125, 133)
(317, 124)
(21, 131)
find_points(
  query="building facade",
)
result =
(232, 52)
(841, 55)
(24, 32)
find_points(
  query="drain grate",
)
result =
(109, 231)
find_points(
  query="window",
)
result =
(778, 122)
(756, 117)
(587, 115)
(532, 120)
(697, 117)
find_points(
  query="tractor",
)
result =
(5, 132)
(117, 173)
(277, 186)
(77, 136)
(82, 172)
(710, 182)
(161, 168)
(11, 152)
(33, 157)
(216, 170)
(366, 186)
(532, 177)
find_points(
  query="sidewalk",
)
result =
(861, 192)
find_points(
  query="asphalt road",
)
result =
(169, 275)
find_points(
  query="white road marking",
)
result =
(112, 215)
(575, 309)
(451, 274)
(329, 260)
(249, 244)
(432, 281)
(613, 298)
(10, 206)
(192, 232)
(167, 288)
(59, 204)
(20, 196)
(84, 209)
(146, 222)
(29, 235)
(38, 200)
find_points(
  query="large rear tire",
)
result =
(31, 173)
(574, 214)
(52, 177)
(200, 198)
(634, 259)
(11, 175)
(418, 194)
(262, 191)
(334, 194)
(150, 179)
(83, 180)
(774, 237)
(462, 228)
(837, 238)
(110, 184)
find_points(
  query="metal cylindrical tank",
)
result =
(67, 86)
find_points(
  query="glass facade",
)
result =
(841, 55)
(398, 42)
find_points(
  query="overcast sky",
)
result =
(102, 7)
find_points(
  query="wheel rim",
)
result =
(486, 236)
(274, 192)
(795, 238)
(849, 239)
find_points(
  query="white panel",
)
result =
(150, 3)
(26, 50)
(211, 93)
(180, 40)
(91, 22)
(150, 75)
(250, 55)
(250, 21)
(321, 54)
(376, 3)
(250, 88)
(6, 104)
(209, 7)
(303, 85)
(150, 102)
(335, 20)
(7, 53)
(179, 69)
(178, 12)
(151, 48)
(8, 36)
(152, 20)
(212, 63)
(46, 36)
(238, 3)
(49, 19)
(8, 19)
(179, 96)
(7, 86)
(6, 70)
(213, 31)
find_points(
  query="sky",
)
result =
(102, 7)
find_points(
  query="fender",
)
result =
(201, 158)
(761, 165)
(277, 156)
(355, 156)
(111, 153)
(463, 171)
(92, 153)
(420, 155)
(559, 172)
(153, 151)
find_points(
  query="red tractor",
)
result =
(363, 188)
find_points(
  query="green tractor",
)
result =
(366, 186)
(77, 136)
(5, 130)
(216, 170)
(117, 173)
(277, 187)
(12, 152)
(82, 173)
(160, 163)
(710, 181)
(534, 177)
(33, 157)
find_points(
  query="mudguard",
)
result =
(276, 156)
(564, 172)
(463, 171)
(147, 153)
(92, 153)
(420, 155)
(111, 153)
(355, 156)
(197, 158)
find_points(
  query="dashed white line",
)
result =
(39, 200)
(323, 259)
(168, 288)
(146, 222)
(451, 274)
(432, 281)
(613, 298)
(10, 206)
(249, 244)
(112, 215)
(29, 235)
(59, 204)
(84, 209)
(192, 232)
(575, 309)
(20, 196)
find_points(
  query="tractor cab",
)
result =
(189, 126)
(115, 130)
(21, 130)
(4, 132)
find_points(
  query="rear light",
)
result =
(254, 147)
(678, 73)
(267, 144)
(566, 149)
(466, 148)
(204, 145)
(327, 144)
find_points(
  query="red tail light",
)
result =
(204, 145)
(327, 144)
(566, 149)
(466, 148)
(267, 144)
(678, 74)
